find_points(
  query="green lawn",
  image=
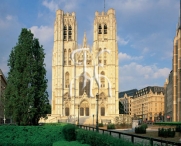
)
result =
(33, 136)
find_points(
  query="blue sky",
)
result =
(145, 33)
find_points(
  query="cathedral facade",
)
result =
(81, 73)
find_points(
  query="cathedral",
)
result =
(85, 76)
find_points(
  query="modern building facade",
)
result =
(176, 66)
(3, 84)
(79, 73)
(168, 98)
(148, 103)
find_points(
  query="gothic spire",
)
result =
(179, 23)
(85, 40)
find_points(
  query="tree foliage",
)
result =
(26, 98)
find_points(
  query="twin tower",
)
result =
(81, 73)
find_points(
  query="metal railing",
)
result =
(132, 137)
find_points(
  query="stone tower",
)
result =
(176, 65)
(79, 73)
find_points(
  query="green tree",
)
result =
(26, 98)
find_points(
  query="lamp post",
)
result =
(142, 113)
(93, 120)
(4, 107)
(78, 115)
(97, 99)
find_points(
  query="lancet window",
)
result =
(67, 80)
(103, 79)
(86, 89)
(105, 29)
(67, 111)
(100, 29)
(69, 53)
(65, 33)
(70, 33)
(102, 111)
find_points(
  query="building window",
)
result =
(103, 79)
(86, 89)
(69, 62)
(66, 111)
(87, 111)
(100, 29)
(67, 80)
(102, 111)
(65, 33)
(104, 62)
(70, 33)
(81, 111)
(105, 29)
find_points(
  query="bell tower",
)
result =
(65, 41)
(105, 39)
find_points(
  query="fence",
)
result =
(132, 137)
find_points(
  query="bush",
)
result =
(144, 126)
(110, 126)
(100, 125)
(166, 132)
(96, 139)
(69, 132)
(178, 128)
(141, 129)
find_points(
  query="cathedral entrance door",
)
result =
(84, 108)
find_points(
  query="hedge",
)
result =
(168, 123)
(166, 132)
(96, 139)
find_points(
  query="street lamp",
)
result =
(93, 120)
(4, 106)
(142, 113)
(78, 115)
(97, 99)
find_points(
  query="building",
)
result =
(75, 70)
(148, 103)
(168, 98)
(126, 98)
(176, 67)
(3, 84)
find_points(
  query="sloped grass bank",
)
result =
(68, 143)
(30, 135)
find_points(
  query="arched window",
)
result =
(70, 33)
(65, 56)
(105, 62)
(65, 33)
(102, 111)
(69, 53)
(81, 83)
(102, 79)
(67, 111)
(67, 80)
(100, 29)
(105, 29)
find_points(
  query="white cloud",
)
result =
(52, 5)
(135, 75)
(122, 41)
(124, 57)
(43, 33)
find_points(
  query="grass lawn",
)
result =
(33, 136)
(67, 143)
